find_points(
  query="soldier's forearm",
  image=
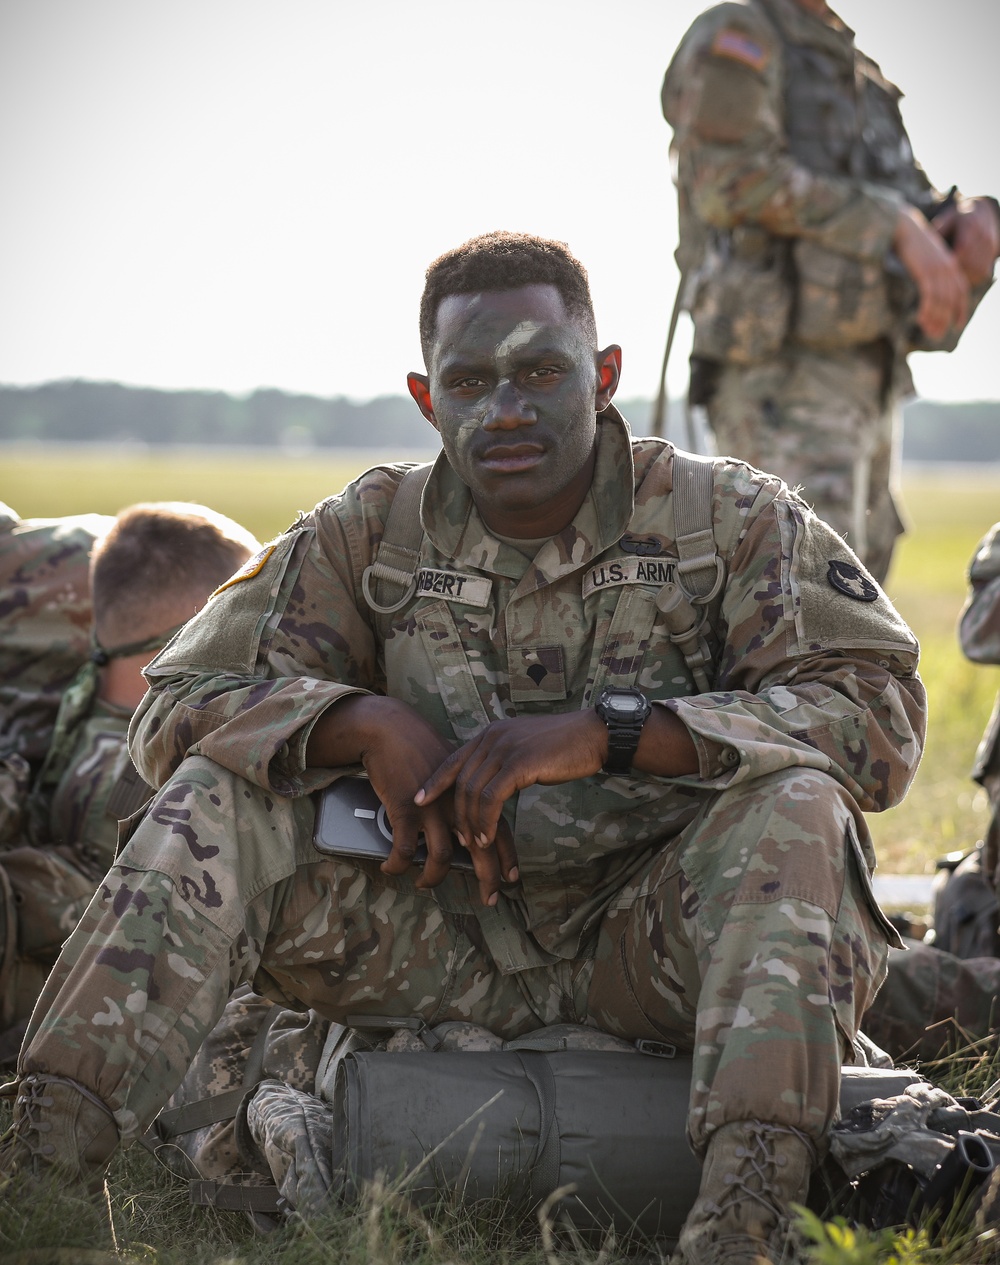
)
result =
(666, 748)
(745, 185)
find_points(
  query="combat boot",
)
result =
(753, 1173)
(60, 1129)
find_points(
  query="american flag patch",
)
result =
(739, 47)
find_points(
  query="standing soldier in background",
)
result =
(152, 568)
(814, 254)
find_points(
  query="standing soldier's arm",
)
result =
(724, 97)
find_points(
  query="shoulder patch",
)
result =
(851, 581)
(253, 566)
(740, 47)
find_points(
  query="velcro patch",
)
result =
(248, 570)
(629, 570)
(738, 46)
(453, 586)
(851, 581)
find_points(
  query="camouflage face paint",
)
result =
(513, 388)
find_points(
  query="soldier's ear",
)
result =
(609, 369)
(420, 388)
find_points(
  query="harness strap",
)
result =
(206, 1194)
(399, 551)
(548, 1157)
(700, 570)
(217, 1107)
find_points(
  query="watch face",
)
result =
(626, 704)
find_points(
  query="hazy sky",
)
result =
(242, 193)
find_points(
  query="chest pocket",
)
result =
(820, 111)
(618, 655)
(537, 674)
(453, 672)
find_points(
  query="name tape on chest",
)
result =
(453, 586)
(630, 570)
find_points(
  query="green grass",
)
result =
(262, 490)
(144, 1218)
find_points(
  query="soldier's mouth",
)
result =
(512, 458)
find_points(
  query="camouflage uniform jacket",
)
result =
(45, 621)
(806, 673)
(83, 812)
(791, 162)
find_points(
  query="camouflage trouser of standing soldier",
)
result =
(750, 938)
(823, 423)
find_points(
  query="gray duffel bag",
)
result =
(516, 1123)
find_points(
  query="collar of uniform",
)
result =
(801, 27)
(452, 522)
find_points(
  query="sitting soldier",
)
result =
(966, 914)
(149, 573)
(936, 999)
(651, 697)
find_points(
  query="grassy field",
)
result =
(145, 1217)
(262, 489)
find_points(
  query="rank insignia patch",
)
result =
(738, 46)
(850, 580)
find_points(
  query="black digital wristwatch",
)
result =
(624, 710)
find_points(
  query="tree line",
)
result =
(109, 412)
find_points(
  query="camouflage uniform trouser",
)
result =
(934, 1004)
(821, 421)
(750, 938)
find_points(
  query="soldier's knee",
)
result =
(218, 836)
(793, 834)
(795, 802)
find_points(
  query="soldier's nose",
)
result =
(507, 408)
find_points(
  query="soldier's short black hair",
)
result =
(157, 566)
(505, 261)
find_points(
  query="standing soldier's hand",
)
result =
(973, 228)
(940, 281)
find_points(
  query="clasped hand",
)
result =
(430, 788)
(466, 792)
